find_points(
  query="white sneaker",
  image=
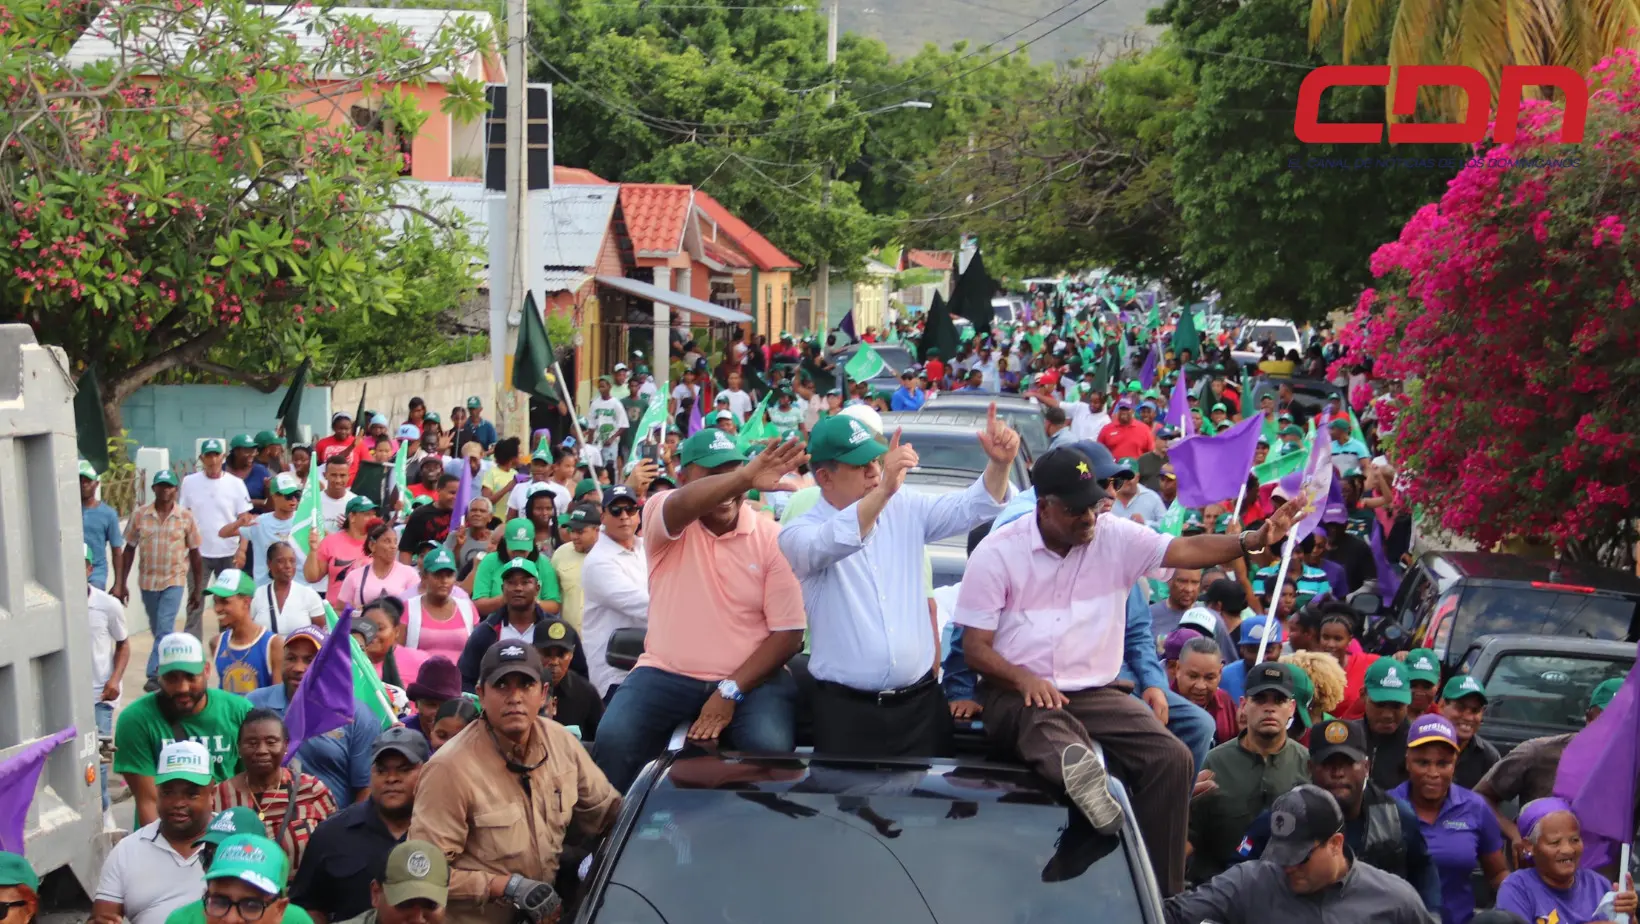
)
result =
(1087, 786)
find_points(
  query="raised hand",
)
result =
(773, 464)
(999, 440)
(1281, 522)
(900, 458)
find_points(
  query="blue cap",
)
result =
(1253, 631)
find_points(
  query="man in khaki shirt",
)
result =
(499, 797)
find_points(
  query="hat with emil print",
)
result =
(183, 760)
(843, 439)
(180, 651)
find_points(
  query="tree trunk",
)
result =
(120, 385)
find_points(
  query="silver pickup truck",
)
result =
(1539, 685)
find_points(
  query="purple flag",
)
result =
(1147, 372)
(1388, 581)
(19, 776)
(1317, 485)
(1212, 468)
(464, 492)
(1597, 776)
(1178, 408)
(695, 421)
(847, 326)
(324, 700)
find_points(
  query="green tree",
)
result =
(192, 202)
(1277, 226)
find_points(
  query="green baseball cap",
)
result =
(1603, 694)
(709, 449)
(1291, 431)
(16, 871)
(438, 559)
(1389, 681)
(1463, 685)
(473, 403)
(520, 564)
(165, 476)
(210, 446)
(232, 583)
(519, 535)
(183, 760)
(432, 417)
(255, 861)
(416, 870)
(268, 438)
(584, 487)
(286, 483)
(581, 517)
(843, 439)
(1303, 693)
(360, 504)
(541, 454)
(228, 822)
(180, 651)
(242, 441)
(86, 471)
(1423, 665)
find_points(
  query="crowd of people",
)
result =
(1098, 630)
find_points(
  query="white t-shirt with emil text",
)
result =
(214, 502)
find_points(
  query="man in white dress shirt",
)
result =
(615, 585)
(858, 553)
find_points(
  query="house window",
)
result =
(802, 322)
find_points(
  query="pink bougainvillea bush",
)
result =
(1508, 309)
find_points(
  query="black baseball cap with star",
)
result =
(1067, 473)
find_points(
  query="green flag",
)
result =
(971, 296)
(290, 408)
(1280, 465)
(1172, 522)
(91, 435)
(1355, 427)
(939, 332)
(533, 359)
(367, 687)
(865, 365)
(1186, 336)
(654, 414)
(757, 427)
(400, 482)
(359, 423)
(310, 529)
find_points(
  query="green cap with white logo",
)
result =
(519, 535)
(165, 476)
(1388, 681)
(87, 472)
(180, 651)
(268, 438)
(183, 760)
(1423, 665)
(286, 483)
(1463, 685)
(709, 449)
(232, 583)
(242, 441)
(437, 560)
(843, 439)
(255, 861)
(520, 564)
(211, 446)
(237, 820)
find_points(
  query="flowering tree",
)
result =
(199, 184)
(1508, 308)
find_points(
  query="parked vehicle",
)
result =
(1283, 333)
(1539, 685)
(1021, 413)
(949, 556)
(1309, 395)
(949, 440)
(895, 358)
(1447, 600)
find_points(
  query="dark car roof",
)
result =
(1489, 566)
(994, 782)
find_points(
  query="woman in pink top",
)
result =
(379, 575)
(342, 549)
(436, 622)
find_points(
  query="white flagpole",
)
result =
(1624, 879)
(1275, 598)
(1235, 514)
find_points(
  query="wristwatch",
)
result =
(1242, 539)
(730, 691)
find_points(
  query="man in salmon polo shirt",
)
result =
(725, 614)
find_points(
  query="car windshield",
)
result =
(1516, 610)
(1546, 689)
(890, 855)
(1280, 333)
(897, 357)
(1026, 421)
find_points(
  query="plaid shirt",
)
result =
(314, 804)
(162, 545)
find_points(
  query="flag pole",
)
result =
(1624, 877)
(1241, 495)
(563, 391)
(1275, 598)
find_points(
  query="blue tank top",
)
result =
(245, 669)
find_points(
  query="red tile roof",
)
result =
(576, 176)
(721, 251)
(765, 255)
(655, 215)
(930, 259)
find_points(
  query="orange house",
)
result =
(444, 148)
(768, 294)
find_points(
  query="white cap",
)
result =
(867, 415)
(620, 367)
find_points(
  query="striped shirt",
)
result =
(314, 804)
(162, 544)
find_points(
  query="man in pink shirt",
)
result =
(1044, 610)
(725, 613)
(1125, 437)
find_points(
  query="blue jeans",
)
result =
(1190, 724)
(652, 703)
(162, 606)
(104, 713)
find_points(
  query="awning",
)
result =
(676, 299)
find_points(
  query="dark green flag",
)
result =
(92, 429)
(971, 296)
(1185, 335)
(360, 422)
(533, 360)
(290, 408)
(938, 332)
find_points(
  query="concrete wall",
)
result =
(176, 417)
(442, 387)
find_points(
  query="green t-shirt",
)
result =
(194, 913)
(142, 731)
(487, 583)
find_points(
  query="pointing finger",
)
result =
(894, 441)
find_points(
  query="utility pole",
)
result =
(517, 189)
(822, 270)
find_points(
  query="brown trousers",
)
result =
(1156, 767)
